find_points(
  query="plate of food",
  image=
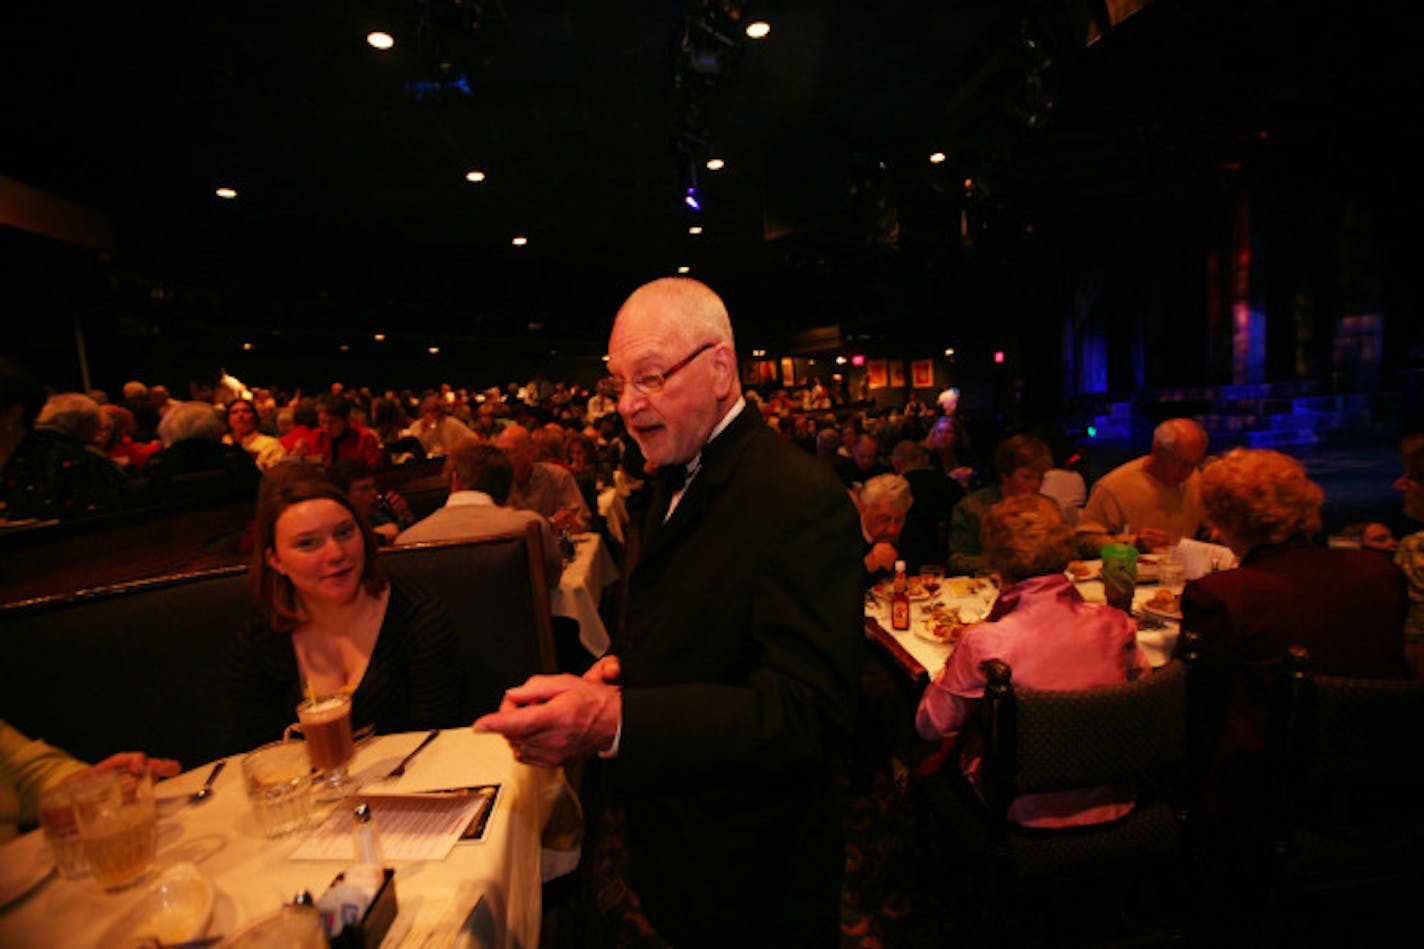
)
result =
(943, 626)
(1080, 570)
(915, 586)
(966, 586)
(1163, 604)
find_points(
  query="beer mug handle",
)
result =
(293, 729)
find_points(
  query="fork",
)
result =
(399, 769)
(204, 792)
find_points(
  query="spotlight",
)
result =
(475, 176)
(227, 194)
(520, 241)
(937, 158)
(377, 39)
(857, 360)
(715, 164)
(758, 29)
(690, 199)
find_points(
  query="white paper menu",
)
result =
(411, 826)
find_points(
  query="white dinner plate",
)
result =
(1174, 616)
(175, 909)
(25, 863)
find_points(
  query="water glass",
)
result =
(118, 826)
(278, 779)
(1173, 576)
(61, 831)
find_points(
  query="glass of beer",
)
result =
(118, 826)
(279, 786)
(325, 723)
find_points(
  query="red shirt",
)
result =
(356, 443)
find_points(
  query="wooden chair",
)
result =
(1347, 786)
(1046, 741)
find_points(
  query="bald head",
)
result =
(1178, 448)
(673, 355)
(689, 308)
(517, 444)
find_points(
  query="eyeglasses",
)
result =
(651, 382)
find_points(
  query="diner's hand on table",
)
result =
(1153, 538)
(551, 720)
(136, 763)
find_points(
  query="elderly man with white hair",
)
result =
(884, 503)
(53, 470)
(1154, 500)
(735, 675)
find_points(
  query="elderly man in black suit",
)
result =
(736, 671)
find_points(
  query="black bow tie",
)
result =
(673, 478)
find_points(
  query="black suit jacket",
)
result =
(740, 655)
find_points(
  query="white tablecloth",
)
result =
(251, 875)
(580, 590)
(1156, 642)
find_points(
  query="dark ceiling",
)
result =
(353, 213)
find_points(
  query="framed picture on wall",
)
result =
(897, 374)
(922, 374)
(875, 372)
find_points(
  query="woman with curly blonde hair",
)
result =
(1345, 606)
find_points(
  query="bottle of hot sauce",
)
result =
(900, 599)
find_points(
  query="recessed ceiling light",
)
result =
(378, 39)
(476, 176)
(715, 164)
(758, 29)
(226, 194)
(433, 350)
(949, 351)
(520, 241)
(684, 269)
(936, 158)
(345, 347)
(379, 337)
(247, 347)
(695, 229)
(840, 360)
(758, 353)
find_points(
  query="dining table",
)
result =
(579, 592)
(485, 892)
(920, 655)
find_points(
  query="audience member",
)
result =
(864, 462)
(1051, 639)
(332, 621)
(1410, 556)
(116, 440)
(541, 487)
(480, 478)
(950, 451)
(1371, 535)
(194, 464)
(264, 450)
(1346, 607)
(884, 503)
(338, 438)
(1020, 462)
(436, 429)
(49, 464)
(300, 441)
(925, 539)
(735, 674)
(1155, 499)
(387, 513)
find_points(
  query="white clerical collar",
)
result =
(695, 465)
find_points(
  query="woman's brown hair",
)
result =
(283, 486)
